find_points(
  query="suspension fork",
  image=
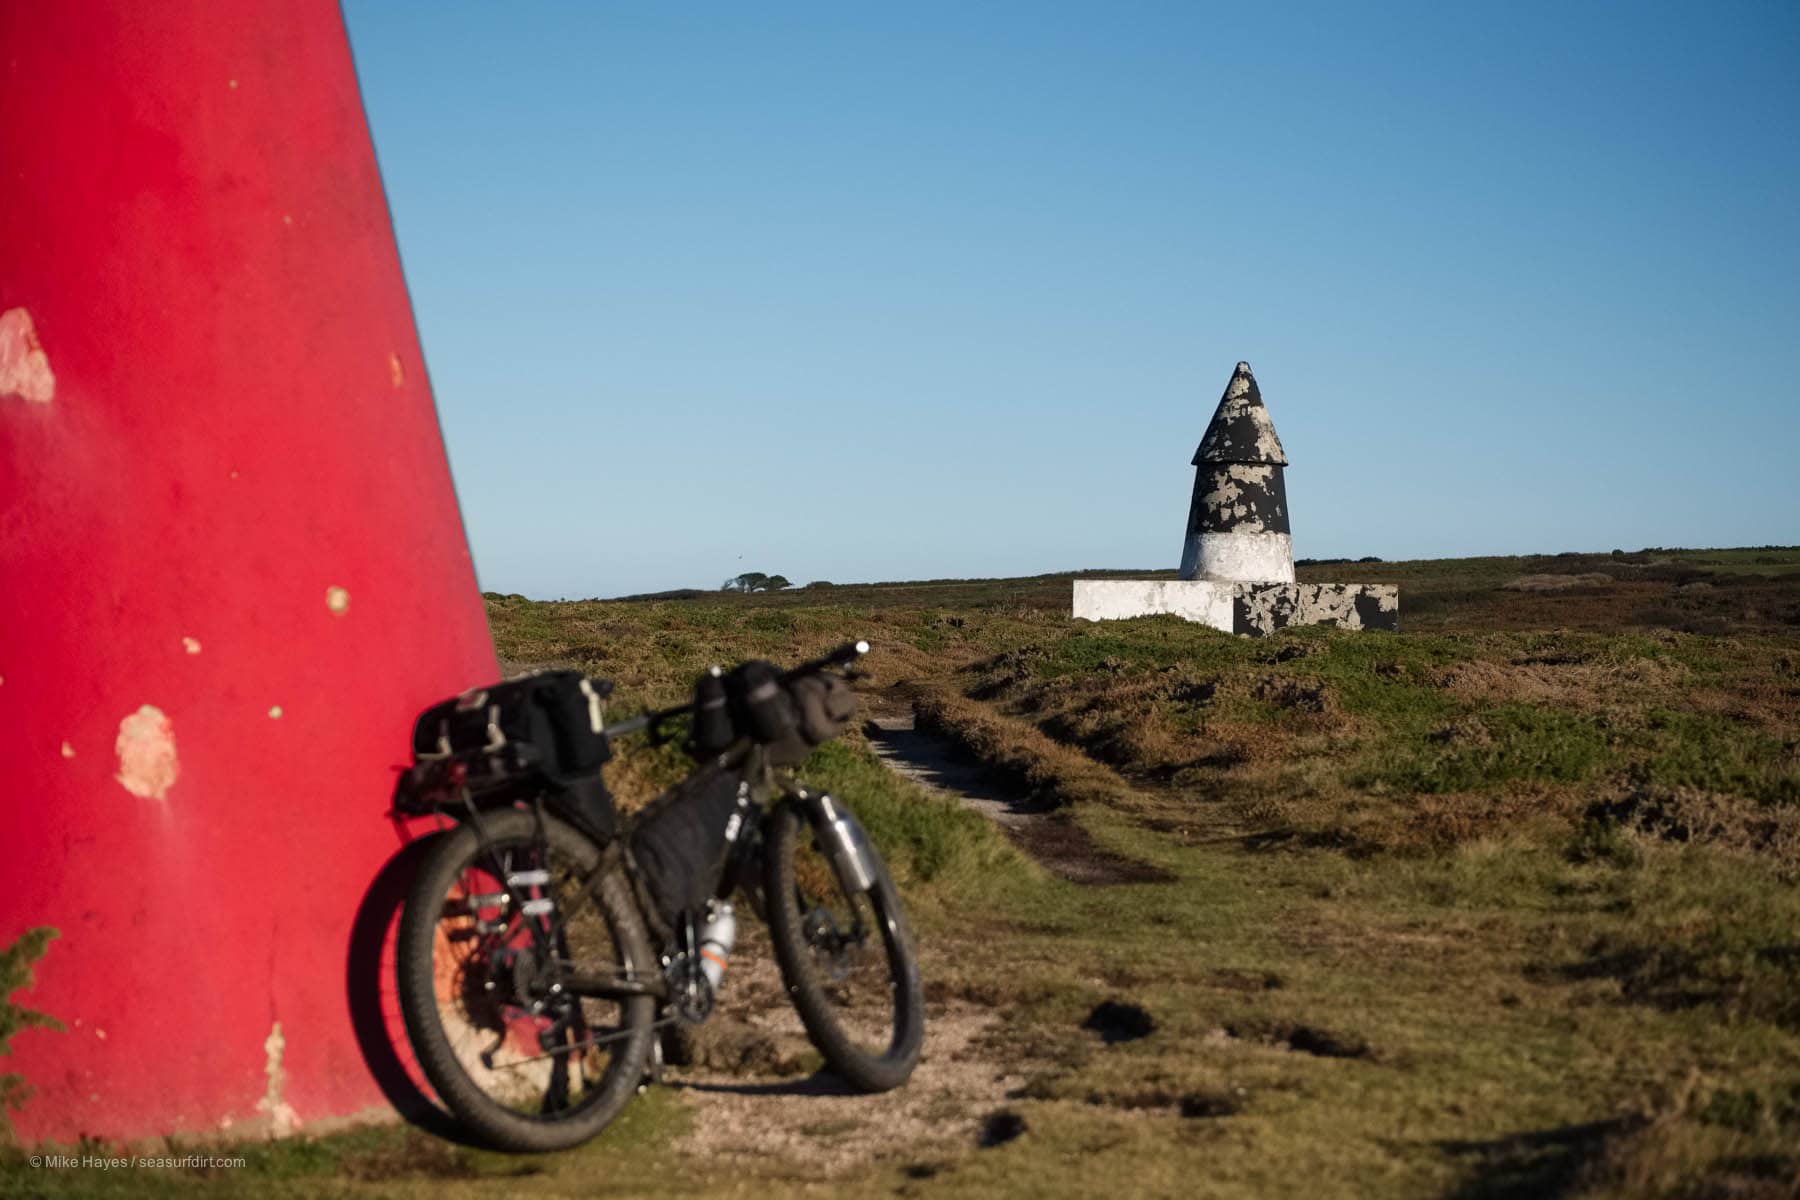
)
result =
(842, 838)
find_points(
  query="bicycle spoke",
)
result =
(514, 923)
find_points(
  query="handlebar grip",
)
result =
(848, 652)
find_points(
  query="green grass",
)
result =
(1517, 742)
(1709, 751)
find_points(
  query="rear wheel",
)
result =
(846, 955)
(487, 934)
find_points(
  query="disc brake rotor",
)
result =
(835, 950)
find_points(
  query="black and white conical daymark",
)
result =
(1237, 526)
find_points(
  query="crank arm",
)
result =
(586, 1044)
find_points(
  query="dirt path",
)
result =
(1062, 847)
(934, 763)
(828, 1130)
(753, 1098)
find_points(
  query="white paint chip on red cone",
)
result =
(24, 367)
(283, 1119)
(148, 766)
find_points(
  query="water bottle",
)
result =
(716, 937)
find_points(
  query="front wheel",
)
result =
(846, 954)
(492, 928)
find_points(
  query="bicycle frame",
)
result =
(845, 844)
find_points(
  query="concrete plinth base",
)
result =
(1250, 608)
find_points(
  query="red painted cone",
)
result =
(231, 563)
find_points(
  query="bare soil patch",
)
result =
(817, 1123)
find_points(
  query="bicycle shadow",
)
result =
(820, 1083)
(374, 1006)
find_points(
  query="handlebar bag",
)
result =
(761, 708)
(681, 839)
(825, 703)
(788, 719)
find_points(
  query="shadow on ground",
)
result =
(1537, 1165)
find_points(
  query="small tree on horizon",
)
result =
(755, 581)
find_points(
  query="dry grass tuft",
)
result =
(1556, 583)
(1719, 819)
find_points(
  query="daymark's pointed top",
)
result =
(1241, 431)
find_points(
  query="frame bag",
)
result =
(681, 841)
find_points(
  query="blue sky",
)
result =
(860, 292)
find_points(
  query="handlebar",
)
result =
(847, 653)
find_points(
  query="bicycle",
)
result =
(537, 962)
